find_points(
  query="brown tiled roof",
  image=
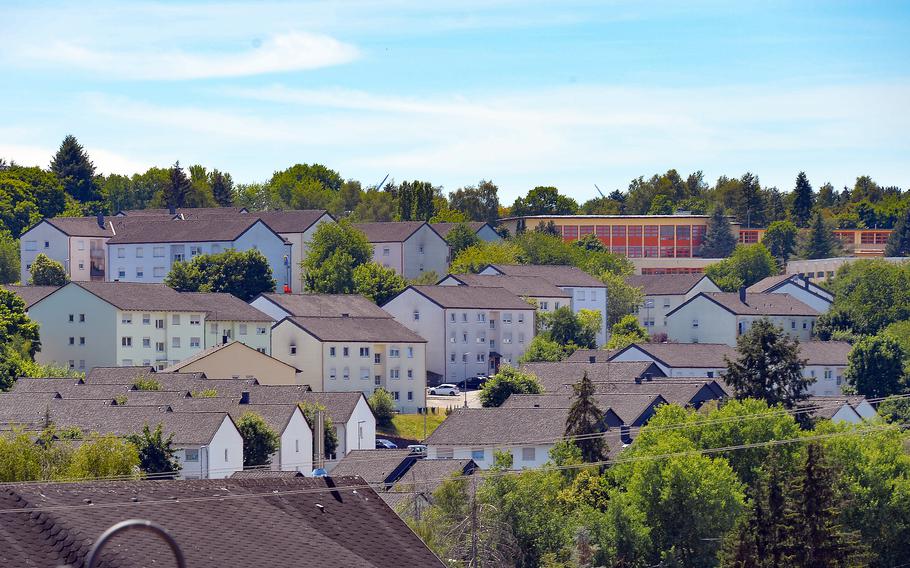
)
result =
(756, 304)
(526, 286)
(825, 352)
(554, 377)
(327, 305)
(374, 466)
(692, 355)
(272, 521)
(291, 220)
(768, 283)
(357, 329)
(82, 226)
(628, 406)
(444, 228)
(558, 275)
(484, 426)
(157, 230)
(469, 297)
(664, 284)
(389, 232)
(31, 294)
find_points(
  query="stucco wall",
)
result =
(227, 438)
(424, 251)
(31, 244)
(99, 329)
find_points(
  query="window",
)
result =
(159, 323)
(297, 446)
(81, 318)
(410, 395)
(127, 363)
(81, 363)
(666, 302)
(521, 317)
(175, 342)
(213, 328)
(225, 454)
(139, 252)
(261, 330)
(158, 272)
(72, 340)
(477, 455)
(377, 358)
(481, 317)
(140, 272)
(243, 329)
(191, 455)
(147, 342)
(195, 250)
(345, 351)
(410, 352)
(346, 374)
(482, 338)
(331, 351)
(81, 341)
(158, 252)
(416, 315)
(159, 346)
(178, 257)
(452, 337)
(452, 357)
(464, 317)
(71, 317)
(331, 373)
(31, 245)
(464, 357)
(124, 341)
(175, 319)
(395, 395)
(507, 338)
(480, 358)
(593, 295)
(195, 319)
(394, 352)
(828, 374)
(195, 342)
(121, 252)
(394, 374)
(556, 305)
(81, 265)
(364, 351)
(544, 305)
(364, 374)
(292, 349)
(410, 373)
(464, 337)
(385, 251)
(792, 324)
(580, 295)
(528, 454)
(121, 273)
(452, 317)
(420, 249)
(521, 338)
(72, 364)
(377, 380)
(694, 323)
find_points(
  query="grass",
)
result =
(411, 425)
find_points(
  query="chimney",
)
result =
(245, 397)
(592, 359)
(100, 218)
(742, 294)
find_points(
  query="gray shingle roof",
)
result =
(225, 307)
(469, 297)
(31, 294)
(687, 355)
(484, 426)
(526, 286)
(825, 352)
(188, 212)
(82, 226)
(554, 377)
(664, 284)
(768, 283)
(628, 406)
(273, 521)
(756, 304)
(357, 329)
(374, 466)
(25, 384)
(276, 416)
(389, 232)
(290, 221)
(444, 228)
(558, 275)
(144, 229)
(327, 305)
(117, 375)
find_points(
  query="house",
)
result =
(665, 292)
(559, 377)
(411, 248)
(379, 468)
(275, 521)
(800, 288)
(96, 324)
(630, 410)
(712, 317)
(469, 330)
(693, 392)
(850, 409)
(588, 293)
(297, 227)
(235, 359)
(544, 295)
(142, 249)
(280, 306)
(78, 243)
(355, 354)
(484, 231)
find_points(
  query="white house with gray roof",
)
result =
(411, 248)
(665, 292)
(78, 243)
(798, 287)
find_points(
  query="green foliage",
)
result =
(543, 349)
(803, 201)
(869, 295)
(623, 299)
(245, 274)
(590, 243)
(336, 250)
(820, 241)
(584, 422)
(147, 384)
(899, 240)
(304, 186)
(19, 339)
(507, 381)
(627, 331)
(768, 366)
(415, 201)
(747, 265)
(474, 258)
(383, 406)
(47, 272)
(895, 410)
(719, 238)
(461, 237)
(375, 206)
(329, 435)
(104, 456)
(899, 331)
(156, 452)
(780, 240)
(876, 367)
(205, 393)
(222, 188)
(661, 205)
(55, 456)
(544, 201)
(72, 166)
(378, 283)
(448, 216)
(565, 327)
(478, 203)
(259, 441)
(175, 191)
(9, 258)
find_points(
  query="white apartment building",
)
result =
(663, 293)
(544, 295)
(411, 248)
(296, 227)
(78, 243)
(107, 324)
(469, 331)
(588, 293)
(280, 306)
(796, 286)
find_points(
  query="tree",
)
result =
(749, 203)
(899, 240)
(175, 191)
(222, 188)
(780, 240)
(747, 265)
(72, 166)
(803, 201)
(259, 441)
(564, 327)
(378, 283)
(461, 237)
(9, 258)
(585, 422)
(719, 238)
(383, 406)
(47, 272)
(106, 457)
(627, 331)
(478, 203)
(623, 299)
(375, 205)
(507, 381)
(19, 340)
(869, 295)
(156, 452)
(768, 366)
(415, 201)
(876, 367)
(336, 250)
(329, 435)
(590, 243)
(820, 241)
(895, 410)
(544, 200)
(543, 349)
(244, 274)
(474, 258)
(661, 205)
(200, 190)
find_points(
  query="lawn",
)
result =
(411, 425)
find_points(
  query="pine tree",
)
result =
(899, 241)
(177, 188)
(585, 421)
(768, 366)
(750, 206)
(719, 239)
(803, 199)
(75, 170)
(222, 188)
(820, 242)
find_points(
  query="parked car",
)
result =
(476, 382)
(418, 449)
(447, 389)
(383, 444)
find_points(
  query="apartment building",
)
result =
(78, 243)
(106, 324)
(296, 227)
(469, 330)
(411, 248)
(483, 230)
(533, 289)
(798, 287)
(665, 292)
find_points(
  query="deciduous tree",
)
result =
(157, 455)
(383, 406)
(627, 331)
(47, 272)
(780, 240)
(336, 250)
(876, 367)
(747, 265)
(244, 274)
(378, 283)
(259, 441)
(507, 381)
(899, 240)
(461, 237)
(479, 202)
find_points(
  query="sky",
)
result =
(525, 93)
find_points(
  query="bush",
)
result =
(259, 441)
(507, 381)
(383, 406)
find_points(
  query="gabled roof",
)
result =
(187, 212)
(557, 377)
(525, 286)
(558, 275)
(82, 226)
(825, 352)
(222, 306)
(326, 305)
(291, 220)
(276, 416)
(665, 284)
(470, 297)
(356, 329)
(233, 345)
(755, 304)
(26, 384)
(129, 230)
(280, 522)
(444, 228)
(485, 426)
(627, 406)
(117, 375)
(772, 283)
(685, 355)
(375, 466)
(30, 294)
(391, 232)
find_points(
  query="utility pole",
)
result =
(473, 563)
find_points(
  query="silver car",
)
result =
(446, 389)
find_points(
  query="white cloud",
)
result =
(105, 161)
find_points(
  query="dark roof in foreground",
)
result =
(664, 284)
(357, 329)
(31, 294)
(559, 275)
(326, 305)
(470, 297)
(554, 376)
(374, 466)
(273, 521)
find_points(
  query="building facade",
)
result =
(78, 243)
(411, 248)
(665, 292)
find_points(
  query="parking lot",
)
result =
(455, 401)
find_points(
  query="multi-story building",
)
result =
(280, 306)
(820, 269)
(105, 324)
(469, 330)
(78, 243)
(355, 354)
(856, 242)
(483, 230)
(663, 293)
(540, 292)
(411, 248)
(712, 317)
(296, 227)
(798, 287)
(587, 292)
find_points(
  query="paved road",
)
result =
(454, 401)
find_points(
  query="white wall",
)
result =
(484, 456)
(424, 251)
(388, 255)
(486, 233)
(226, 439)
(653, 313)
(255, 334)
(269, 308)
(296, 451)
(430, 325)
(715, 324)
(830, 385)
(32, 243)
(822, 305)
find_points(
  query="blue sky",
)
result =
(523, 93)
